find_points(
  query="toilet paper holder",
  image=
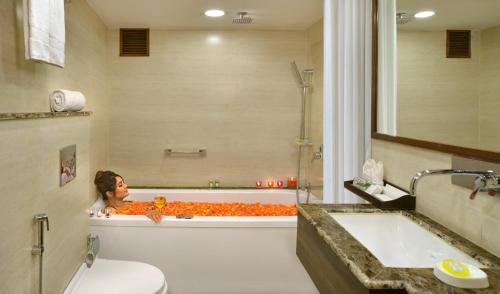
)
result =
(93, 245)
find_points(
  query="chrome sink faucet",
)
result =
(485, 180)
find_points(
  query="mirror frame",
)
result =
(451, 149)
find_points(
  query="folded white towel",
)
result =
(393, 192)
(65, 100)
(44, 30)
(374, 189)
(383, 197)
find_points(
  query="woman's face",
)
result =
(121, 190)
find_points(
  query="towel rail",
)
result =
(200, 152)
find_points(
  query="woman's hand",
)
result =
(154, 215)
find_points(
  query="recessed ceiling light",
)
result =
(214, 13)
(213, 39)
(424, 14)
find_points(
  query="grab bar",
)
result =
(200, 152)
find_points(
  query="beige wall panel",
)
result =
(29, 154)
(489, 99)
(31, 185)
(437, 96)
(234, 95)
(477, 220)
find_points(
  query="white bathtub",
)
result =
(212, 254)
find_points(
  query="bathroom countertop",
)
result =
(372, 274)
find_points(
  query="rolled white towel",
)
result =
(65, 100)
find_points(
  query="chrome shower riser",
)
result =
(305, 80)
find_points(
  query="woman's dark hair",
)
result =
(105, 181)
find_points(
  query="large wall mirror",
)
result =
(436, 79)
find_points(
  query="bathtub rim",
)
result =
(197, 221)
(217, 190)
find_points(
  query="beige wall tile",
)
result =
(237, 98)
(489, 97)
(489, 233)
(456, 102)
(476, 220)
(437, 96)
(31, 185)
(29, 153)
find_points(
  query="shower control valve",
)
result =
(318, 155)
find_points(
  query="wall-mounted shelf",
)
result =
(405, 202)
(38, 115)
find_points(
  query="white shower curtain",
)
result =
(347, 76)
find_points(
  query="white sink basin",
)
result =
(399, 242)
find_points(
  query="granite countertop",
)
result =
(372, 274)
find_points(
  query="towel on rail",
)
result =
(65, 100)
(44, 30)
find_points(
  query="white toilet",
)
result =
(108, 276)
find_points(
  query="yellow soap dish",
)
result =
(460, 274)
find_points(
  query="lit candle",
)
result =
(292, 183)
(279, 183)
(270, 183)
(258, 184)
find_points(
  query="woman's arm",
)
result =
(154, 215)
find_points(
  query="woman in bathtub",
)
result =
(114, 190)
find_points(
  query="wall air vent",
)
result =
(134, 42)
(458, 44)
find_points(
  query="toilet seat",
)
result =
(109, 276)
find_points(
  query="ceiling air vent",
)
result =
(134, 42)
(242, 18)
(458, 44)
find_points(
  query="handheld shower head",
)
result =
(297, 73)
(304, 79)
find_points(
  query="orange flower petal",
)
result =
(212, 209)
